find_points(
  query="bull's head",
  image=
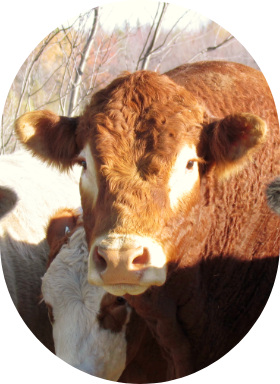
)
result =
(143, 143)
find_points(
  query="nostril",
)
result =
(99, 260)
(142, 259)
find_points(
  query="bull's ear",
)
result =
(50, 137)
(229, 143)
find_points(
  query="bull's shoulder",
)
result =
(225, 88)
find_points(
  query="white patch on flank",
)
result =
(89, 177)
(182, 179)
(78, 338)
(137, 278)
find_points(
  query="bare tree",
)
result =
(59, 86)
(26, 80)
(79, 69)
(156, 26)
(213, 48)
(81, 57)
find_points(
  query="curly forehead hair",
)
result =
(143, 104)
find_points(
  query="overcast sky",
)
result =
(144, 10)
(116, 14)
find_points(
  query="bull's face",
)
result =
(142, 143)
(126, 216)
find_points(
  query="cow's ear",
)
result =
(229, 143)
(50, 137)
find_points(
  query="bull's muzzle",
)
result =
(121, 265)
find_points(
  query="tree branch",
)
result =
(145, 60)
(209, 49)
(80, 69)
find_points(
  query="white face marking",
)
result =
(78, 338)
(182, 180)
(88, 176)
(153, 273)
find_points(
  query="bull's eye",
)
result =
(84, 164)
(190, 164)
(81, 161)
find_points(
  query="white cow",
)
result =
(74, 306)
(29, 194)
(93, 330)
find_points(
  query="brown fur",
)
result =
(222, 243)
(57, 128)
(55, 233)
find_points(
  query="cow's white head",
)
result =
(89, 325)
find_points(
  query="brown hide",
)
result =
(228, 264)
(145, 363)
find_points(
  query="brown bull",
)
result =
(173, 193)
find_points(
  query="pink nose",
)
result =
(117, 266)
